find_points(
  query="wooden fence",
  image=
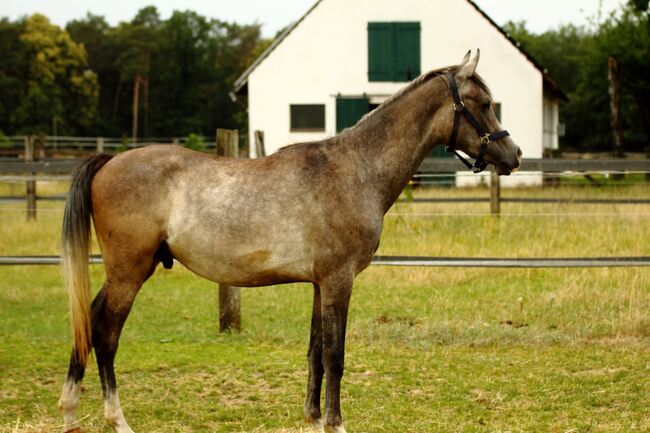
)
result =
(227, 143)
(31, 170)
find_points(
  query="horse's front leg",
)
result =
(315, 359)
(335, 300)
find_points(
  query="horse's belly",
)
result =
(243, 263)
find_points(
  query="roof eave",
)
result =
(549, 81)
(243, 78)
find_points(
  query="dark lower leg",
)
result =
(334, 323)
(315, 359)
(107, 327)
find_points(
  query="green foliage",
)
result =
(4, 141)
(640, 5)
(194, 142)
(577, 58)
(187, 64)
(55, 81)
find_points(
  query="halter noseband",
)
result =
(485, 137)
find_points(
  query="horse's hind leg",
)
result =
(112, 306)
(72, 393)
(72, 388)
(316, 370)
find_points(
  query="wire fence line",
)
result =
(449, 214)
(418, 261)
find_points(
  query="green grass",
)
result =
(428, 350)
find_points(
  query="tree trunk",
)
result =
(615, 105)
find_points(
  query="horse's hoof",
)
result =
(334, 429)
(315, 423)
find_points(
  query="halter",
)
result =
(485, 137)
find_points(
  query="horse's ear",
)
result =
(467, 68)
(465, 59)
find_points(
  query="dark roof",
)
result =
(550, 83)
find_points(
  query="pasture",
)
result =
(428, 349)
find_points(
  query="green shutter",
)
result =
(407, 51)
(349, 111)
(381, 51)
(393, 51)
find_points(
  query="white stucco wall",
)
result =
(327, 54)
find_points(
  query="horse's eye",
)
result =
(486, 105)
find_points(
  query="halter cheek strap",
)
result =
(485, 137)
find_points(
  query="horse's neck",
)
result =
(391, 144)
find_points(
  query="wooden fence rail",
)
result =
(30, 168)
(429, 165)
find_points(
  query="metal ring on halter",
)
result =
(486, 139)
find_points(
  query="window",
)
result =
(307, 117)
(393, 51)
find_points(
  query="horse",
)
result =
(311, 212)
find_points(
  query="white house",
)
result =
(345, 57)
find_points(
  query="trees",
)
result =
(186, 66)
(578, 58)
(45, 78)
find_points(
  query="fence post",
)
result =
(260, 151)
(41, 146)
(100, 145)
(495, 193)
(31, 184)
(229, 296)
(647, 155)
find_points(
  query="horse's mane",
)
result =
(408, 89)
(417, 83)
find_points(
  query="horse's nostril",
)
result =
(519, 152)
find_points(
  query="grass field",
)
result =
(428, 350)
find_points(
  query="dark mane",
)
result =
(418, 82)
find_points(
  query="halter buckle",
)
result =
(486, 139)
(459, 106)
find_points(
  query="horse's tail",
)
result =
(75, 240)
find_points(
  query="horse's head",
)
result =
(475, 128)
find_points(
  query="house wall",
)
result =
(551, 122)
(327, 55)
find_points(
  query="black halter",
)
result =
(485, 137)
